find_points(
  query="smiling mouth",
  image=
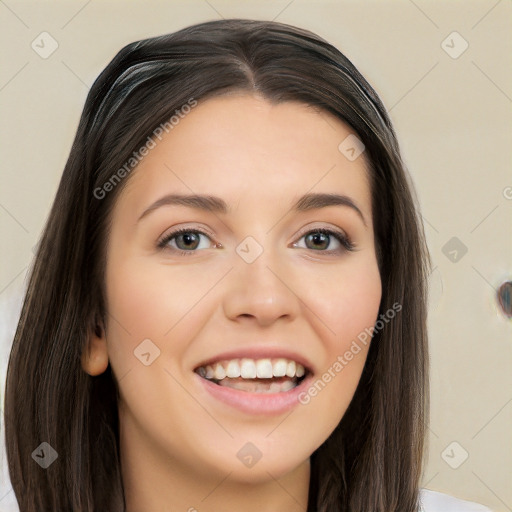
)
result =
(269, 375)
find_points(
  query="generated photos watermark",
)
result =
(143, 151)
(343, 360)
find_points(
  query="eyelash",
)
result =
(347, 244)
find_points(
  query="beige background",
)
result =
(453, 119)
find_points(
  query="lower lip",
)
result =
(257, 403)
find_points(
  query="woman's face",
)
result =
(260, 289)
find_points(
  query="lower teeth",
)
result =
(259, 385)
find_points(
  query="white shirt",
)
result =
(433, 501)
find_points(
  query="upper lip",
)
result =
(259, 352)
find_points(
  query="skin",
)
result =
(178, 444)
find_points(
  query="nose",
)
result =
(263, 291)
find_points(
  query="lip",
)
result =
(260, 352)
(266, 404)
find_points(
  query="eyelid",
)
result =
(308, 229)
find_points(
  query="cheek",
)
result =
(156, 302)
(150, 302)
(147, 300)
(346, 299)
(348, 305)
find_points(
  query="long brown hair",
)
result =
(373, 460)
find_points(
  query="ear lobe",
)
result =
(95, 355)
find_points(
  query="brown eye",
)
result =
(185, 240)
(318, 240)
(189, 240)
(321, 239)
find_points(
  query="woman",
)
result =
(227, 310)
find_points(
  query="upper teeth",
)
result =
(252, 369)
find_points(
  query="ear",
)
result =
(95, 355)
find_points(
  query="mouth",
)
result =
(265, 375)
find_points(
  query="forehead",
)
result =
(241, 146)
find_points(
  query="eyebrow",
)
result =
(307, 202)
